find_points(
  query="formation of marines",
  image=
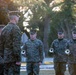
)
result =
(63, 50)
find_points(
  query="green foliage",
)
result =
(64, 19)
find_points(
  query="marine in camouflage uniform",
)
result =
(1, 54)
(60, 58)
(34, 53)
(72, 55)
(10, 44)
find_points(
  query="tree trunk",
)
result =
(68, 31)
(67, 24)
(46, 33)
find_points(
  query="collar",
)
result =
(12, 23)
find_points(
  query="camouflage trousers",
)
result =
(32, 68)
(11, 69)
(72, 68)
(1, 69)
(60, 68)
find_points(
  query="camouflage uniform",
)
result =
(34, 54)
(72, 57)
(10, 44)
(60, 57)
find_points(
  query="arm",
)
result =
(67, 51)
(17, 43)
(41, 50)
(24, 48)
(51, 50)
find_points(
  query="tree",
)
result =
(49, 16)
(5, 7)
(3, 12)
(64, 19)
(40, 17)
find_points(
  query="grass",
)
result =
(46, 72)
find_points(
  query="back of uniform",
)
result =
(11, 42)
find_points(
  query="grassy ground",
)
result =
(46, 72)
(49, 72)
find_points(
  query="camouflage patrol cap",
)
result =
(32, 32)
(60, 32)
(74, 31)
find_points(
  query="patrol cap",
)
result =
(32, 32)
(74, 31)
(60, 32)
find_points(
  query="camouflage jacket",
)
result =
(34, 50)
(59, 50)
(10, 43)
(72, 48)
